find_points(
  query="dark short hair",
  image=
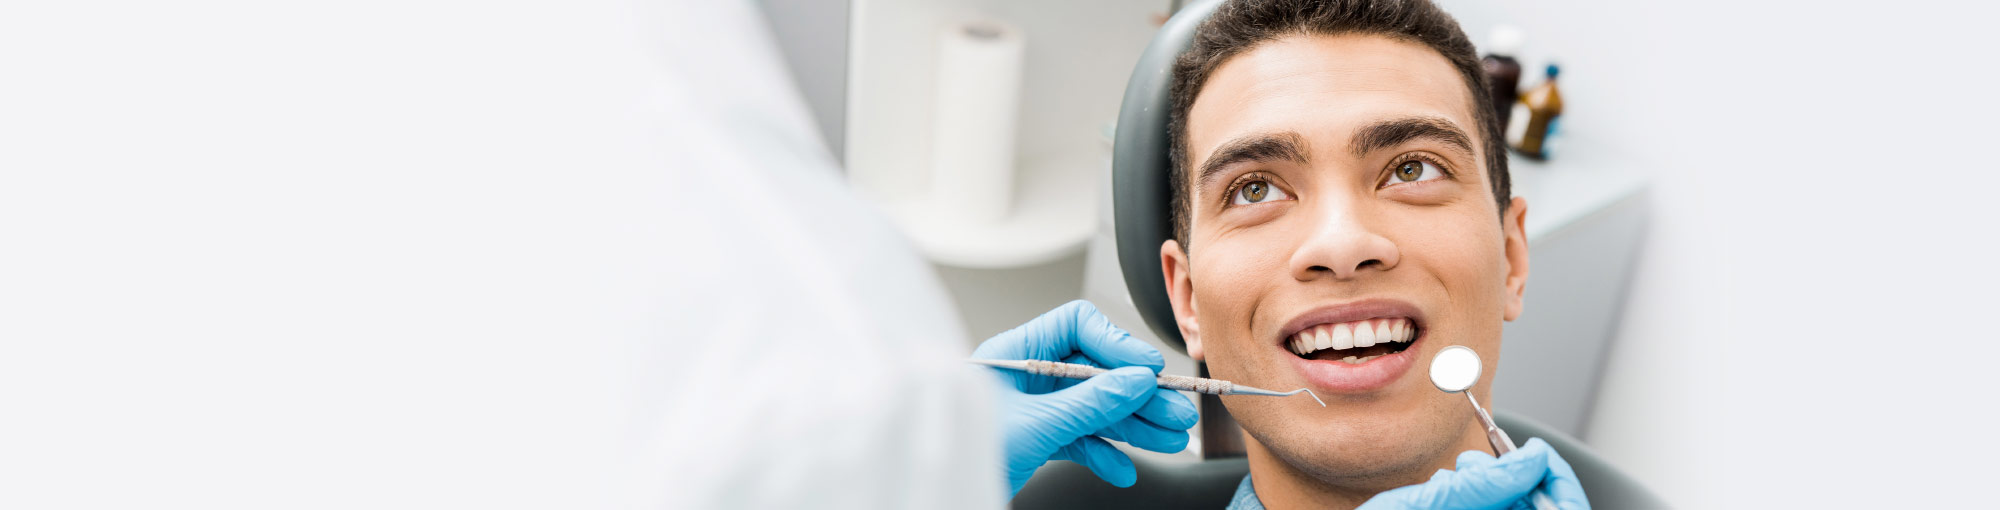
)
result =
(1241, 25)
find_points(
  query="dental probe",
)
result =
(1454, 370)
(1172, 382)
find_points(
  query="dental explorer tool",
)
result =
(1172, 382)
(1454, 370)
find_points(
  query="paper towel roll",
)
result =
(978, 102)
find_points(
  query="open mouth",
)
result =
(1354, 342)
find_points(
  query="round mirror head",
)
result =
(1455, 369)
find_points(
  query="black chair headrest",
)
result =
(1139, 167)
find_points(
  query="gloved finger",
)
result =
(1561, 482)
(1073, 328)
(1159, 425)
(1077, 327)
(1011, 345)
(1102, 458)
(1168, 409)
(1534, 454)
(1470, 458)
(1057, 383)
(1050, 336)
(1080, 359)
(1394, 499)
(1098, 402)
(1143, 434)
(1403, 498)
(1527, 463)
(1105, 343)
(1035, 384)
(1482, 481)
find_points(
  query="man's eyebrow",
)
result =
(1393, 132)
(1285, 146)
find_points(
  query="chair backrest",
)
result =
(1139, 166)
(1209, 484)
(1607, 486)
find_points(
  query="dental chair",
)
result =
(1140, 203)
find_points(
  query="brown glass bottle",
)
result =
(1503, 73)
(1535, 118)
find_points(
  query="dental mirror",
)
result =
(1455, 369)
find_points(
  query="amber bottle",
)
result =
(1503, 73)
(1535, 118)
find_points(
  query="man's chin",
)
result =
(1361, 453)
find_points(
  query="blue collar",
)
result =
(1246, 497)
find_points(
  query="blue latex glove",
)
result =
(1483, 482)
(1048, 418)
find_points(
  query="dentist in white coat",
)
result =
(467, 254)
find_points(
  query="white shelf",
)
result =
(1078, 57)
(1581, 181)
(1054, 215)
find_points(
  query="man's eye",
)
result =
(1416, 170)
(1256, 192)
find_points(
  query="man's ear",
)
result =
(1180, 290)
(1514, 225)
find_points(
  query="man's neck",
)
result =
(1282, 486)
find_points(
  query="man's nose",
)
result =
(1342, 245)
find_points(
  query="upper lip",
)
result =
(1349, 312)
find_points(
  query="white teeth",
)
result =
(1364, 334)
(1351, 360)
(1351, 335)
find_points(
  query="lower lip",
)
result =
(1343, 377)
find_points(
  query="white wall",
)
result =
(812, 38)
(1805, 329)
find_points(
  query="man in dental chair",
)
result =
(1342, 213)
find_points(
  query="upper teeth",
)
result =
(1349, 335)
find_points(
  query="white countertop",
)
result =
(1581, 180)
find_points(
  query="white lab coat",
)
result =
(452, 254)
(827, 353)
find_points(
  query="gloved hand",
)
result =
(1048, 418)
(1484, 482)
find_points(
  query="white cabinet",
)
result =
(1587, 213)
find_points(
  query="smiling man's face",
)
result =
(1338, 197)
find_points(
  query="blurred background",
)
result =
(1757, 237)
(383, 253)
